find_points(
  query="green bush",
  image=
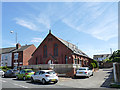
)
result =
(5, 68)
(92, 65)
(96, 64)
(116, 59)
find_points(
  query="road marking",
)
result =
(3, 81)
(15, 84)
(19, 85)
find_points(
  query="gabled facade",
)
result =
(54, 50)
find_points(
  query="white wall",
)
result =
(6, 58)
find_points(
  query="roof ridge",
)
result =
(75, 50)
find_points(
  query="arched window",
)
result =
(55, 50)
(45, 51)
(50, 62)
(78, 60)
(36, 60)
(66, 60)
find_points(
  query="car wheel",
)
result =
(88, 75)
(74, 76)
(55, 82)
(4, 76)
(32, 80)
(17, 77)
(24, 78)
(92, 74)
(43, 81)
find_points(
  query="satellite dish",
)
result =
(11, 31)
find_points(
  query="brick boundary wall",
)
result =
(116, 71)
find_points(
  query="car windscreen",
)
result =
(82, 69)
(29, 71)
(50, 72)
(16, 71)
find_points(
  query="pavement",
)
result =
(100, 79)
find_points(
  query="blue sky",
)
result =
(92, 26)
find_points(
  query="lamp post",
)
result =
(15, 36)
(111, 50)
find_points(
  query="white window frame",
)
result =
(16, 56)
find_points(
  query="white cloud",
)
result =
(26, 23)
(97, 19)
(36, 40)
(100, 22)
(43, 19)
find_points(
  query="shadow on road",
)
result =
(81, 77)
(19, 80)
(39, 83)
(107, 79)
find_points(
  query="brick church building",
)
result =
(54, 50)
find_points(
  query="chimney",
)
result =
(50, 31)
(18, 46)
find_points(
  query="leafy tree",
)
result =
(107, 60)
(115, 56)
(94, 64)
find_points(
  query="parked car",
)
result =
(84, 71)
(1, 72)
(11, 73)
(45, 76)
(25, 74)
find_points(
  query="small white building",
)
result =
(6, 59)
(6, 56)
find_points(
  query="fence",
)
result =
(67, 69)
(116, 72)
(105, 64)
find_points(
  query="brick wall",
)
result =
(0, 59)
(62, 51)
(20, 57)
(27, 54)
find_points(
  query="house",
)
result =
(6, 56)
(54, 50)
(16, 56)
(100, 58)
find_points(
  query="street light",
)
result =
(16, 35)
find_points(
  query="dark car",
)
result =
(11, 73)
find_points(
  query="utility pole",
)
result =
(111, 50)
(15, 36)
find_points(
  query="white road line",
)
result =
(19, 85)
(2, 81)
(15, 84)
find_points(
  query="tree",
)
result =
(115, 56)
(107, 60)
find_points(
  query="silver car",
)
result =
(1, 73)
(84, 71)
(45, 76)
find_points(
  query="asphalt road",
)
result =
(100, 79)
